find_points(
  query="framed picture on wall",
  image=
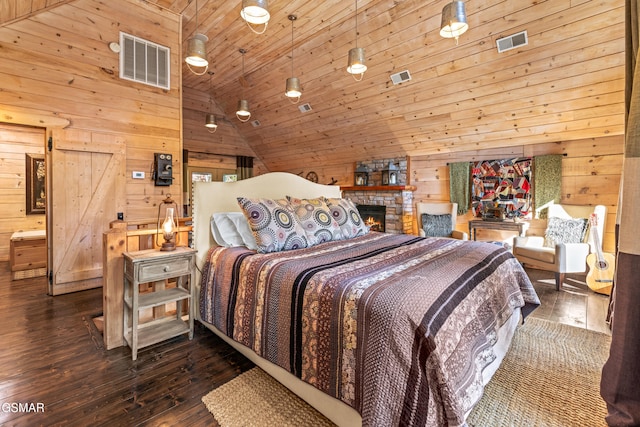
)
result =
(35, 173)
(230, 177)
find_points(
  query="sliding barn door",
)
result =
(87, 187)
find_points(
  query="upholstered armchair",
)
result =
(567, 242)
(438, 220)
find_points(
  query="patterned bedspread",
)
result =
(398, 327)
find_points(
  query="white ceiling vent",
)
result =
(304, 108)
(144, 61)
(512, 42)
(401, 77)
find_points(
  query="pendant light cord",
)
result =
(356, 23)
(243, 78)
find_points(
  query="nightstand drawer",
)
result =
(163, 269)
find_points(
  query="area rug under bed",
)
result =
(550, 378)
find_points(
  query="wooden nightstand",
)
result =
(154, 266)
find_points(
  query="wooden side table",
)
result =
(520, 227)
(154, 266)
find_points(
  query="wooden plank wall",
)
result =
(591, 173)
(15, 142)
(210, 149)
(57, 64)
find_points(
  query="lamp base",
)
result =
(168, 246)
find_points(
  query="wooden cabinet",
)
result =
(158, 269)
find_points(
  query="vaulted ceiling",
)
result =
(566, 84)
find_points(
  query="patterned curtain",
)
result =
(459, 185)
(547, 180)
(244, 167)
(619, 385)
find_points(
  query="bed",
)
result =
(373, 329)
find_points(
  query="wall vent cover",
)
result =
(304, 108)
(143, 61)
(512, 41)
(401, 77)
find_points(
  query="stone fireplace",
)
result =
(398, 201)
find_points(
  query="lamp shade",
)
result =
(357, 62)
(293, 88)
(210, 123)
(255, 11)
(196, 51)
(454, 20)
(243, 113)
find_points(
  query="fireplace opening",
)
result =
(373, 216)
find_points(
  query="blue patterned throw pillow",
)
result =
(437, 225)
(274, 224)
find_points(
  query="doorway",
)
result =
(23, 201)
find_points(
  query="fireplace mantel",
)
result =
(379, 188)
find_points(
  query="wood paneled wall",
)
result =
(56, 64)
(591, 173)
(220, 147)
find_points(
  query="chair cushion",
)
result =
(546, 255)
(565, 231)
(437, 225)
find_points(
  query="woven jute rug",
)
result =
(255, 399)
(549, 378)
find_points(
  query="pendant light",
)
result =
(243, 114)
(210, 120)
(292, 90)
(196, 50)
(356, 65)
(454, 20)
(255, 12)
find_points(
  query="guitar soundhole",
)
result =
(602, 265)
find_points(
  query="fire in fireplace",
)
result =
(373, 216)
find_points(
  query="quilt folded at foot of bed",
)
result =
(396, 326)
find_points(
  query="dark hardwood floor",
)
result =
(51, 353)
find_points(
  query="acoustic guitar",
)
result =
(601, 265)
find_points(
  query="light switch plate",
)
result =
(138, 175)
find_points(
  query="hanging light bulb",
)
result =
(357, 61)
(210, 120)
(256, 12)
(293, 91)
(242, 113)
(196, 50)
(454, 20)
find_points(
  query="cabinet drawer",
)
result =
(150, 271)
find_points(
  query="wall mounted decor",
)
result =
(35, 173)
(501, 184)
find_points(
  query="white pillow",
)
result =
(232, 229)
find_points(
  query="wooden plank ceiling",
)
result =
(566, 84)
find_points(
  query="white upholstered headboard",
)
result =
(211, 197)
